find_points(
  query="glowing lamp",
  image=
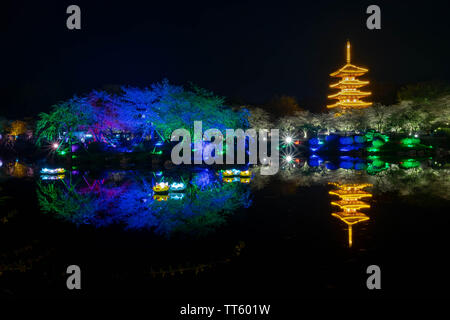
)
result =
(52, 177)
(53, 171)
(246, 173)
(161, 187)
(176, 196)
(177, 186)
(231, 173)
(160, 197)
(230, 179)
(288, 140)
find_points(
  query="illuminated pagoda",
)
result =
(350, 204)
(349, 96)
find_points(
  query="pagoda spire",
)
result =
(348, 52)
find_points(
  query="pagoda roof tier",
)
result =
(349, 94)
(350, 194)
(351, 204)
(355, 83)
(350, 104)
(351, 186)
(349, 70)
(351, 218)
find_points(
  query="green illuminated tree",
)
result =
(63, 121)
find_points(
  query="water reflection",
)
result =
(19, 170)
(192, 202)
(16, 169)
(350, 204)
(200, 200)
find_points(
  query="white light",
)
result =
(288, 158)
(55, 146)
(288, 140)
(416, 135)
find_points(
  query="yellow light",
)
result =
(349, 97)
(160, 197)
(246, 173)
(348, 51)
(227, 180)
(161, 187)
(350, 204)
(350, 195)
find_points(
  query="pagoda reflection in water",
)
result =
(350, 203)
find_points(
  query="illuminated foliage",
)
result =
(200, 209)
(410, 141)
(154, 111)
(17, 127)
(410, 163)
(423, 92)
(64, 119)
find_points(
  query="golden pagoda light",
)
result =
(349, 97)
(351, 186)
(350, 204)
(350, 219)
(350, 195)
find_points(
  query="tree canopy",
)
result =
(154, 111)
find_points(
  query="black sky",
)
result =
(244, 50)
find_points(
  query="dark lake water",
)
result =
(282, 236)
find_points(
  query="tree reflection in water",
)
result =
(403, 177)
(127, 198)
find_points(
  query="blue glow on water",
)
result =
(346, 140)
(346, 165)
(315, 161)
(331, 166)
(200, 209)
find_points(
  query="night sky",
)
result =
(246, 51)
